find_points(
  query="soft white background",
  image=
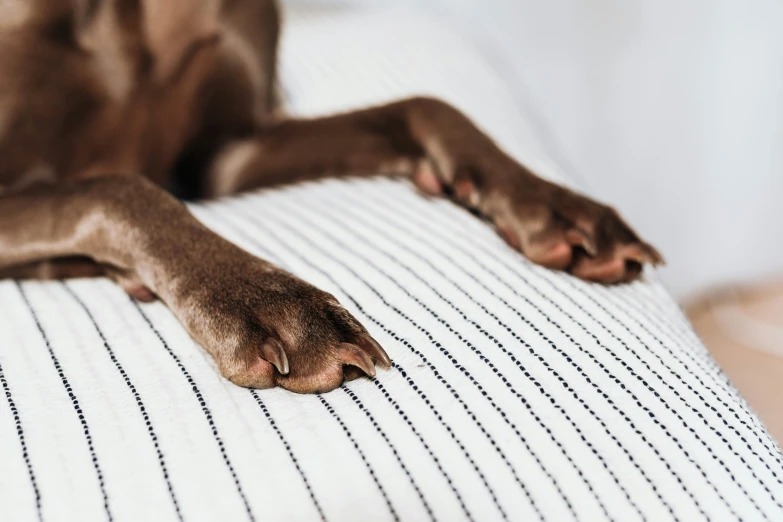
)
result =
(671, 110)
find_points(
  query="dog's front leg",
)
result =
(443, 152)
(262, 325)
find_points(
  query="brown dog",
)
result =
(103, 102)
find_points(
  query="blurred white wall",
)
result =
(670, 110)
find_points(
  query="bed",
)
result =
(517, 393)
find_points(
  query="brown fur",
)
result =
(103, 102)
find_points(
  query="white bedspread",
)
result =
(517, 393)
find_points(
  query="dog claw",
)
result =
(642, 253)
(273, 352)
(141, 293)
(375, 350)
(351, 355)
(653, 255)
(578, 237)
(466, 192)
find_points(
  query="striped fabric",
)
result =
(517, 393)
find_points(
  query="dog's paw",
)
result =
(551, 225)
(267, 328)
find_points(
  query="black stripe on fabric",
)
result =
(650, 413)
(76, 406)
(679, 396)
(685, 332)
(603, 394)
(459, 367)
(290, 452)
(692, 390)
(20, 433)
(638, 377)
(355, 444)
(464, 370)
(700, 355)
(731, 393)
(448, 479)
(136, 397)
(397, 456)
(418, 435)
(496, 342)
(204, 408)
(455, 264)
(669, 408)
(684, 335)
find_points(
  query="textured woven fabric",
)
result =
(517, 393)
